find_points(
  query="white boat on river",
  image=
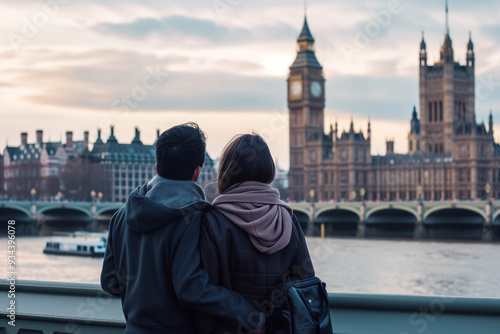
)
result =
(78, 243)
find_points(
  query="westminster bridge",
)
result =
(406, 219)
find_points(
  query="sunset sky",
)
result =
(82, 65)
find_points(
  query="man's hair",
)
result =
(245, 158)
(179, 151)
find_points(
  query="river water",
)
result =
(346, 265)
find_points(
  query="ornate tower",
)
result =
(446, 97)
(306, 103)
(414, 136)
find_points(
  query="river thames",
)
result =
(346, 265)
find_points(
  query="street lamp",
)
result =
(420, 192)
(33, 193)
(487, 188)
(99, 196)
(92, 196)
(311, 195)
(352, 195)
(362, 192)
(59, 196)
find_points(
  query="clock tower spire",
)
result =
(306, 104)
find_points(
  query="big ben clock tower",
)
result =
(306, 103)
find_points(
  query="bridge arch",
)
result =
(63, 218)
(457, 208)
(15, 209)
(21, 216)
(373, 211)
(107, 209)
(461, 222)
(337, 221)
(64, 207)
(392, 221)
(333, 208)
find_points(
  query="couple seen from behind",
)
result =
(181, 264)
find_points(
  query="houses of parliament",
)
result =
(450, 156)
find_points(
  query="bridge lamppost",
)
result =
(99, 196)
(94, 225)
(33, 211)
(362, 192)
(33, 193)
(487, 188)
(352, 195)
(92, 196)
(420, 192)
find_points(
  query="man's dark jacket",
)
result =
(232, 261)
(152, 261)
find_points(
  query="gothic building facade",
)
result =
(449, 156)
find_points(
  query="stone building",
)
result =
(69, 171)
(450, 156)
(41, 167)
(117, 168)
(114, 169)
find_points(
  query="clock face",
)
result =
(316, 89)
(296, 89)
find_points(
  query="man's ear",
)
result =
(196, 174)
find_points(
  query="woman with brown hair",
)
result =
(252, 241)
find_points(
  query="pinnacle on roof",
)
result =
(112, 138)
(447, 46)
(423, 46)
(137, 138)
(447, 21)
(470, 46)
(305, 34)
(99, 140)
(305, 54)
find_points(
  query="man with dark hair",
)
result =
(152, 259)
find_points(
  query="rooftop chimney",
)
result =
(39, 137)
(157, 133)
(137, 138)
(86, 140)
(390, 147)
(24, 138)
(69, 139)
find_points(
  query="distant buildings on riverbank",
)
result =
(70, 171)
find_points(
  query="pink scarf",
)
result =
(257, 209)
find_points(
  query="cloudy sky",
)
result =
(83, 65)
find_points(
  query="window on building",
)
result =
(441, 111)
(343, 177)
(435, 111)
(430, 111)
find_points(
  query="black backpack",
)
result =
(300, 307)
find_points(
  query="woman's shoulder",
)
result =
(213, 216)
(215, 221)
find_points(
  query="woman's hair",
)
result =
(245, 158)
